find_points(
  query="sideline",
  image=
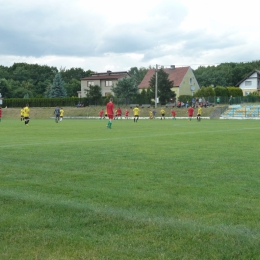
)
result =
(123, 118)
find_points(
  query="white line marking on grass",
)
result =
(131, 214)
(52, 142)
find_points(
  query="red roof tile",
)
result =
(176, 75)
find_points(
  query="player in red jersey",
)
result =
(126, 114)
(110, 112)
(119, 113)
(190, 113)
(101, 112)
(173, 114)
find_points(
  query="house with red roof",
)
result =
(103, 79)
(183, 78)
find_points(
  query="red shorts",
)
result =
(110, 116)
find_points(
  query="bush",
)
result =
(43, 102)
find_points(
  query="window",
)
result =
(248, 83)
(90, 83)
(190, 81)
(108, 83)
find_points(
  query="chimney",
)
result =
(109, 72)
(172, 67)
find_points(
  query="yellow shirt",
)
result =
(26, 111)
(61, 112)
(22, 112)
(136, 111)
(200, 110)
(162, 111)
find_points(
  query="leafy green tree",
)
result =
(138, 74)
(143, 97)
(149, 95)
(57, 90)
(125, 88)
(225, 74)
(21, 92)
(40, 88)
(255, 94)
(5, 88)
(185, 98)
(235, 92)
(74, 73)
(221, 91)
(107, 98)
(94, 94)
(164, 86)
(205, 92)
(72, 87)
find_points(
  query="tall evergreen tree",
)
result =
(94, 94)
(164, 86)
(57, 90)
(125, 88)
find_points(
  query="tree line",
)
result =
(225, 74)
(22, 80)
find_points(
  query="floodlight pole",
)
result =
(156, 85)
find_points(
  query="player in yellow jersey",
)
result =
(136, 111)
(26, 114)
(61, 113)
(22, 114)
(151, 114)
(199, 113)
(162, 114)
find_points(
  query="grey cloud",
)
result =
(50, 31)
(47, 32)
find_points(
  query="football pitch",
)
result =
(155, 189)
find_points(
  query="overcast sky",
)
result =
(116, 35)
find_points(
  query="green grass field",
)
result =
(148, 190)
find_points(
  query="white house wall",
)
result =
(101, 83)
(255, 84)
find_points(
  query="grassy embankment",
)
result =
(45, 113)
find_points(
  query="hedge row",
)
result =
(44, 102)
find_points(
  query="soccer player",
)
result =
(154, 113)
(126, 114)
(110, 112)
(162, 114)
(22, 114)
(101, 112)
(0, 114)
(150, 114)
(199, 113)
(173, 114)
(190, 113)
(26, 114)
(57, 114)
(61, 113)
(136, 114)
(119, 113)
